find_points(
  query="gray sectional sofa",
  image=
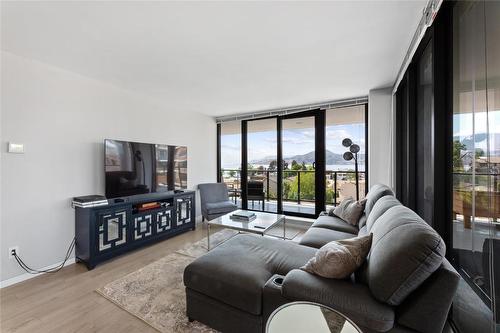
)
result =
(405, 285)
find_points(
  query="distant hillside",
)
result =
(479, 142)
(331, 159)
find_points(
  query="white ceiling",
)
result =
(220, 58)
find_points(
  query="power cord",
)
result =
(51, 270)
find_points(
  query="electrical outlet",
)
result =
(12, 250)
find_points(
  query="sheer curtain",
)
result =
(476, 164)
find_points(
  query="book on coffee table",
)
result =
(242, 219)
(243, 215)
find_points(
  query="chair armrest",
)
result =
(352, 299)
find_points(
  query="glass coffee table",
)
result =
(260, 225)
(299, 317)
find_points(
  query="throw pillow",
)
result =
(350, 210)
(339, 259)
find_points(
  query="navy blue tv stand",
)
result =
(107, 231)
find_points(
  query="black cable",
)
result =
(51, 270)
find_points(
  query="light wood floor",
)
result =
(66, 301)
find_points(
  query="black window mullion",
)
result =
(320, 167)
(279, 163)
(366, 148)
(219, 162)
(244, 164)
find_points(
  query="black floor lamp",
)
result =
(352, 154)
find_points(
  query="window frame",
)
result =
(320, 131)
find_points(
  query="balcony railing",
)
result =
(298, 185)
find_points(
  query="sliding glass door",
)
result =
(261, 165)
(229, 158)
(280, 164)
(303, 163)
(341, 179)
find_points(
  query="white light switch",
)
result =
(16, 148)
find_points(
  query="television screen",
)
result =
(138, 168)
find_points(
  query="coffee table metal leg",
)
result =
(208, 236)
(284, 228)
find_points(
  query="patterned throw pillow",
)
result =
(339, 259)
(350, 210)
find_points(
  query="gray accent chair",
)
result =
(405, 285)
(215, 200)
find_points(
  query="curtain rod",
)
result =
(428, 15)
(294, 109)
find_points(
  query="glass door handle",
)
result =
(314, 165)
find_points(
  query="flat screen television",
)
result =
(133, 168)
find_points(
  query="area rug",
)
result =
(199, 248)
(156, 294)
(291, 231)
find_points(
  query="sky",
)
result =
(295, 142)
(301, 141)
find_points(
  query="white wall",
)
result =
(380, 146)
(62, 118)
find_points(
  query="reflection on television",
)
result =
(133, 168)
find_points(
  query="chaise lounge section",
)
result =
(405, 285)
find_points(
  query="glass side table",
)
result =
(301, 317)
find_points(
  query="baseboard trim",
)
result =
(27, 276)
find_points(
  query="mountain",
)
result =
(481, 143)
(330, 157)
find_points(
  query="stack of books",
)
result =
(89, 201)
(243, 216)
(148, 206)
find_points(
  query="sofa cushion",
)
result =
(350, 210)
(317, 237)
(380, 207)
(335, 223)
(376, 192)
(220, 207)
(363, 231)
(235, 272)
(405, 252)
(339, 259)
(362, 220)
(352, 299)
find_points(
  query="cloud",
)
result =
(297, 141)
(308, 134)
(230, 147)
(338, 134)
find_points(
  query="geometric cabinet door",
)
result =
(183, 205)
(142, 226)
(112, 229)
(163, 220)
